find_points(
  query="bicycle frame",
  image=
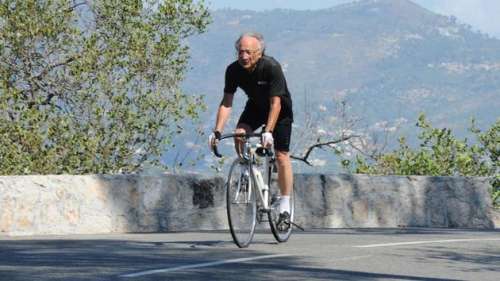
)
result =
(249, 154)
(262, 181)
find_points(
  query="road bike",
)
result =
(251, 192)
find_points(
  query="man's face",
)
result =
(249, 52)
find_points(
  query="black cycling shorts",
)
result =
(281, 134)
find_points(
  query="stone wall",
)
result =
(393, 201)
(131, 203)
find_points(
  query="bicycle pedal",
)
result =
(297, 226)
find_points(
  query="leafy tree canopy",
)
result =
(93, 86)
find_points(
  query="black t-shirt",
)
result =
(266, 81)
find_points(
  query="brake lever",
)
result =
(216, 151)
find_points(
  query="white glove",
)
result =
(267, 139)
(213, 139)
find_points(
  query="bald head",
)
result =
(250, 48)
(257, 36)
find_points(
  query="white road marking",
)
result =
(351, 258)
(199, 265)
(426, 242)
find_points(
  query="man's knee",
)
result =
(243, 128)
(240, 131)
(283, 158)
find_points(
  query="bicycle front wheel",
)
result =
(241, 204)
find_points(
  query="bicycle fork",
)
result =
(244, 187)
(262, 189)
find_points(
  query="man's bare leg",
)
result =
(285, 179)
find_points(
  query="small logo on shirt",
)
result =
(261, 82)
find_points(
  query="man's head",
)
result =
(250, 48)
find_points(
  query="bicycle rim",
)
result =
(241, 205)
(273, 215)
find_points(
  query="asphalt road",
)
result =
(334, 254)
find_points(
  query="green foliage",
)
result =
(441, 154)
(93, 87)
(490, 140)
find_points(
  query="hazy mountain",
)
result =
(389, 59)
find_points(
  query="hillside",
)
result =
(389, 59)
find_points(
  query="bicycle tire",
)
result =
(273, 215)
(241, 204)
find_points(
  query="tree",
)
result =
(319, 132)
(332, 127)
(93, 86)
(490, 142)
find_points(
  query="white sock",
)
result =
(285, 204)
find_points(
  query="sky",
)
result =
(482, 15)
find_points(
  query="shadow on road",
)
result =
(103, 260)
(483, 259)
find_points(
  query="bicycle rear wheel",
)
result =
(241, 204)
(273, 215)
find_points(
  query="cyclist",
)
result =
(269, 103)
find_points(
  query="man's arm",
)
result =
(274, 112)
(277, 90)
(224, 112)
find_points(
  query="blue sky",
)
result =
(482, 15)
